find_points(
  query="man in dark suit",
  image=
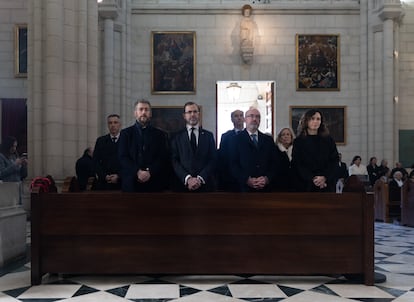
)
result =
(105, 156)
(341, 174)
(253, 156)
(143, 153)
(194, 154)
(226, 180)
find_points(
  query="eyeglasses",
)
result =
(253, 116)
(192, 111)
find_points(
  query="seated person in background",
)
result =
(411, 175)
(13, 168)
(395, 185)
(341, 174)
(356, 167)
(105, 156)
(253, 156)
(373, 170)
(85, 168)
(284, 175)
(384, 171)
(399, 167)
(226, 180)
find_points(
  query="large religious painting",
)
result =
(317, 62)
(20, 50)
(173, 62)
(335, 120)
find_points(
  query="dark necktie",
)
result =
(254, 139)
(114, 139)
(193, 140)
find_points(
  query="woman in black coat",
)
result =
(314, 155)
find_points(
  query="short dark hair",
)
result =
(113, 115)
(142, 101)
(191, 103)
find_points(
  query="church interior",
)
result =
(68, 64)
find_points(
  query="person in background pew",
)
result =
(399, 167)
(253, 156)
(194, 154)
(314, 155)
(105, 156)
(384, 171)
(226, 180)
(373, 170)
(143, 153)
(341, 174)
(284, 176)
(356, 167)
(85, 168)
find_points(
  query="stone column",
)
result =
(62, 84)
(389, 12)
(108, 10)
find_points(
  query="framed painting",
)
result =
(317, 62)
(173, 68)
(20, 50)
(168, 118)
(335, 120)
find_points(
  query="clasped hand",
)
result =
(257, 182)
(320, 182)
(193, 183)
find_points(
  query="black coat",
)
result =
(314, 155)
(106, 162)
(143, 149)
(247, 160)
(226, 180)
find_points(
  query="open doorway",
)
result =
(243, 95)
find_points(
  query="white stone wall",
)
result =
(11, 13)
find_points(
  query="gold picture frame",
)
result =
(173, 62)
(317, 62)
(335, 120)
(20, 50)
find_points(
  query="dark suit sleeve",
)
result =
(159, 153)
(98, 158)
(210, 161)
(127, 161)
(176, 145)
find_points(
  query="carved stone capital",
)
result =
(390, 11)
(108, 9)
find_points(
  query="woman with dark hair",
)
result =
(12, 167)
(314, 155)
(373, 170)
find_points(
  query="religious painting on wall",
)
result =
(317, 62)
(173, 62)
(335, 120)
(20, 50)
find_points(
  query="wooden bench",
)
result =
(407, 203)
(383, 205)
(210, 233)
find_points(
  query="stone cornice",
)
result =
(390, 11)
(108, 9)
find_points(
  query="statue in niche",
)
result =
(247, 35)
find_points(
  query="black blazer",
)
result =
(314, 155)
(226, 180)
(247, 160)
(201, 163)
(143, 149)
(106, 162)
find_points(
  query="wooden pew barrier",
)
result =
(210, 233)
(407, 203)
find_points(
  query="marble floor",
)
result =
(394, 257)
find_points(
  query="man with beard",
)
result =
(193, 154)
(253, 156)
(143, 153)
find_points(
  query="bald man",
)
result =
(253, 156)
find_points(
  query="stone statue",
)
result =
(247, 35)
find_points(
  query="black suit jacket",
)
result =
(106, 162)
(202, 163)
(225, 177)
(143, 149)
(247, 160)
